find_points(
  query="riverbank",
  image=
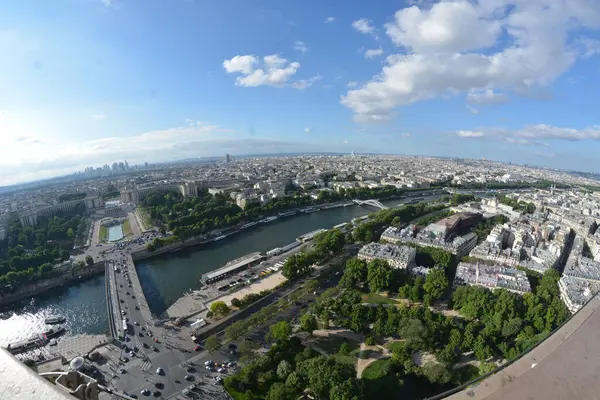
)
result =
(65, 279)
(144, 254)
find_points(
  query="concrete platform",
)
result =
(79, 345)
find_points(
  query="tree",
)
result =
(347, 390)
(219, 308)
(236, 302)
(284, 369)
(345, 349)
(436, 372)
(279, 391)
(70, 232)
(355, 272)
(435, 284)
(280, 331)
(378, 275)
(308, 323)
(89, 260)
(212, 343)
(64, 255)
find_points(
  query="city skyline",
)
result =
(96, 80)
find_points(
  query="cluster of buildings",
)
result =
(492, 277)
(444, 234)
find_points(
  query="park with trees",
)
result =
(392, 310)
(28, 254)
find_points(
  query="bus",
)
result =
(125, 328)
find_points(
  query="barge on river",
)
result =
(36, 341)
(233, 267)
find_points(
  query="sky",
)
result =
(89, 82)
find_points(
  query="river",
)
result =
(165, 278)
(83, 305)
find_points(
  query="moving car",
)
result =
(188, 377)
(160, 371)
(145, 392)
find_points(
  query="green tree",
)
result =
(435, 284)
(279, 391)
(219, 308)
(89, 260)
(64, 255)
(212, 343)
(284, 369)
(378, 275)
(345, 349)
(354, 273)
(347, 390)
(280, 331)
(236, 302)
(308, 323)
(436, 372)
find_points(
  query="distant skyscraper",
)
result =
(146, 165)
(227, 158)
(352, 154)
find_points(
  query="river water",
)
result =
(164, 278)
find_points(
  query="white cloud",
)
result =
(306, 83)
(533, 135)
(346, 142)
(329, 20)
(23, 156)
(372, 53)
(487, 96)
(406, 134)
(364, 26)
(469, 134)
(590, 46)
(243, 64)
(275, 71)
(307, 130)
(107, 3)
(455, 47)
(446, 27)
(300, 46)
(472, 110)
(98, 116)
(352, 84)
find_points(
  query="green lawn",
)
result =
(378, 369)
(126, 228)
(392, 345)
(350, 360)
(144, 218)
(103, 233)
(373, 298)
(333, 343)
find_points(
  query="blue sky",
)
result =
(88, 82)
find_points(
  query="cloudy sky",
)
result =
(88, 82)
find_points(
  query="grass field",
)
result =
(392, 345)
(373, 298)
(378, 369)
(103, 236)
(144, 218)
(126, 228)
(333, 343)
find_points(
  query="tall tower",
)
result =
(227, 158)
